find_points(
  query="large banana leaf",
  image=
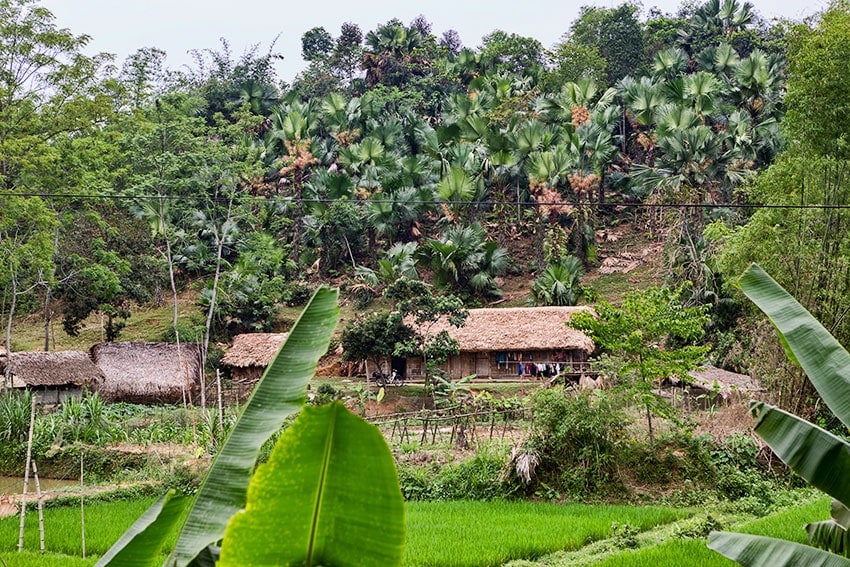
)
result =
(329, 495)
(817, 455)
(755, 550)
(279, 393)
(823, 358)
(142, 542)
(832, 534)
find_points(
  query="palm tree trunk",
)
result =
(48, 316)
(48, 295)
(539, 238)
(219, 232)
(7, 382)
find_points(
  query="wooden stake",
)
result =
(40, 507)
(82, 508)
(26, 475)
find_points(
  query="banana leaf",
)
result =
(818, 456)
(815, 454)
(334, 477)
(824, 360)
(756, 550)
(141, 544)
(832, 534)
(280, 392)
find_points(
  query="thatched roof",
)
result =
(253, 349)
(518, 328)
(709, 377)
(46, 369)
(147, 372)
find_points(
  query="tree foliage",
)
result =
(421, 310)
(818, 96)
(652, 335)
(615, 34)
(374, 337)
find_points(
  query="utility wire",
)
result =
(589, 204)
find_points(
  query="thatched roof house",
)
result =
(726, 383)
(500, 342)
(148, 372)
(248, 358)
(55, 375)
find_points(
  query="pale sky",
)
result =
(177, 26)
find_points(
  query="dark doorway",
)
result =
(399, 365)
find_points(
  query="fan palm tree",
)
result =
(559, 283)
(460, 192)
(462, 259)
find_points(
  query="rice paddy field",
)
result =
(787, 524)
(467, 534)
(445, 534)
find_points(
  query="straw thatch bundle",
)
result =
(52, 369)
(253, 349)
(148, 372)
(518, 328)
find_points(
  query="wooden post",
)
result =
(220, 408)
(40, 508)
(26, 475)
(82, 509)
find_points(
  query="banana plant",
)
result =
(328, 495)
(821, 458)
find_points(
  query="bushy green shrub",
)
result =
(478, 478)
(325, 394)
(697, 527)
(296, 293)
(416, 481)
(576, 438)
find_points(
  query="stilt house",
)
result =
(510, 343)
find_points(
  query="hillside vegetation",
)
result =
(639, 165)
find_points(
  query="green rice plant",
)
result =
(467, 533)
(678, 552)
(36, 559)
(105, 522)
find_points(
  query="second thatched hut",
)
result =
(148, 373)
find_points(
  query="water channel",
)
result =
(15, 484)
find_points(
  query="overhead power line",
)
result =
(589, 204)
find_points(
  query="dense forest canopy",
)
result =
(396, 153)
